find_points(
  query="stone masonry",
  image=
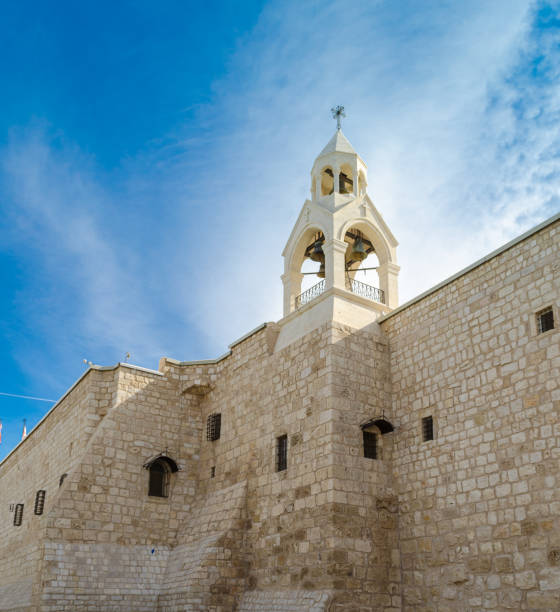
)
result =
(466, 521)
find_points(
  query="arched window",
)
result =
(327, 181)
(373, 431)
(345, 181)
(159, 479)
(160, 469)
(362, 183)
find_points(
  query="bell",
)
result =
(358, 251)
(321, 273)
(316, 253)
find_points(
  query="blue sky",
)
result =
(154, 157)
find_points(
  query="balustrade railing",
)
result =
(357, 287)
(310, 294)
(367, 291)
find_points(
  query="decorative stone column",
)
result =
(292, 287)
(388, 283)
(334, 251)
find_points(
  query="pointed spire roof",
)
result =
(338, 143)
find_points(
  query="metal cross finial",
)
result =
(338, 113)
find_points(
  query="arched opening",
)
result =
(160, 469)
(159, 479)
(327, 181)
(373, 431)
(304, 269)
(362, 265)
(345, 179)
(362, 185)
(313, 265)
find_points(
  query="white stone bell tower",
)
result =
(338, 227)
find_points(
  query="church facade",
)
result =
(356, 455)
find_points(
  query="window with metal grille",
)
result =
(212, 471)
(213, 427)
(427, 428)
(39, 502)
(370, 445)
(62, 479)
(545, 320)
(18, 515)
(159, 479)
(282, 453)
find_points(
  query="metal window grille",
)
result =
(370, 445)
(159, 480)
(427, 428)
(282, 453)
(213, 427)
(212, 471)
(545, 320)
(39, 502)
(18, 515)
(62, 479)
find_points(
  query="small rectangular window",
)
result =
(370, 445)
(282, 453)
(545, 320)
(39, 502)
(427, 428)
(212, 471)
(213, 427)
(18, 515)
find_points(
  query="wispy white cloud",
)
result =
(85, 288)
(420, 88)
(178, 252)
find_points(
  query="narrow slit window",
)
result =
(282, 453)
(39, 502)
(370, 445)
(213, 427)
(545, 320)
(427, 428)
(62, 478)
(18, 515)
(213, 471)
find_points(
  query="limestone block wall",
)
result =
(326, 525)
(480, 504)
(365, 512)
(107, 542)
(52, 449)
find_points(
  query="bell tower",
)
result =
(339, 228)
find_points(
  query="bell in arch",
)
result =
(321, 273)
(358, 250)
(316, 253)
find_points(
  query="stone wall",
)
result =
(108, 542)
(480, 504)
(51, 450)
(467, 521)
(328, 523)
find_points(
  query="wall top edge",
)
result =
(93, 367)
(197, 361)
(474, 265)
(222, 357)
